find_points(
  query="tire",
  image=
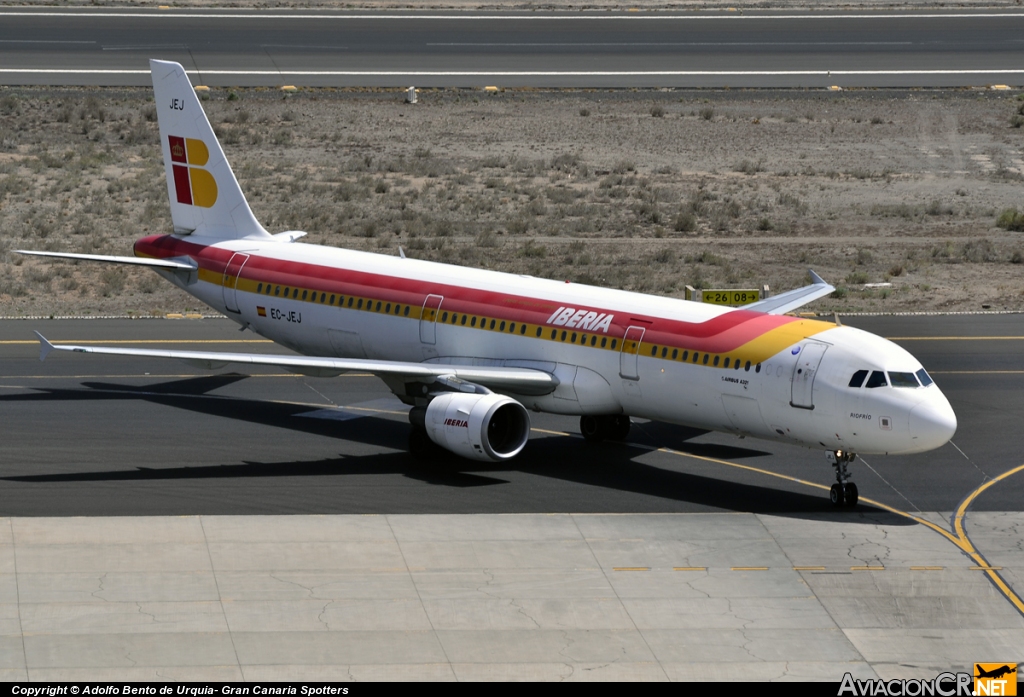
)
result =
(851, 494)
(593, 428)
(837, 496)
(618, 427)
(421, 447)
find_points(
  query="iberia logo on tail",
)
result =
(193, 185)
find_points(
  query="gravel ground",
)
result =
(648, 191)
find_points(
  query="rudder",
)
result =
(204, 194)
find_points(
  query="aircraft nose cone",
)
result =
(932, 423)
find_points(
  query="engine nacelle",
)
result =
(484, 427)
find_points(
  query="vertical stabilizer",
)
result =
(205, 196)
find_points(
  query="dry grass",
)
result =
(717, 189)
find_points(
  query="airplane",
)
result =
(474, 351)
(996, 672)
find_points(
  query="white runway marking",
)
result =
(697, 43)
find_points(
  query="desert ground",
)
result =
(647, 191)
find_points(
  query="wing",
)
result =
(524, 381)
(792, 299)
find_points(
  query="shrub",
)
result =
(707, 113)
(1011, 219)
(685, 222)
(584, 112)
(657, 112)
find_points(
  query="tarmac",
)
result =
(164, 523)
(705, 596)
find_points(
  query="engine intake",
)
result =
(483, 427)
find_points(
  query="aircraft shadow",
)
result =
(569, 459)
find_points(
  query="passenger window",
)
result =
(323, 297)
(350, 303)
(332, 300)
(304, 294)
(444, 317)
(539, 330)
(877, 379)
(654, 350)
(512, 328)
(406, 313)
(858, 378)
(675, 353)
(472, 322)
(378, 306)
(573, 339)
(387, 308)
(716, 361)
(604, 341)
(706, 356)
(747, 367)
(563, 336)
(758, 368)
(554, 333)
(492, 324)
(664, 352)
(259, 288)
(277, 290)
(614, 343)
(726, 361)
(593, 341)
(903, 380)
(360, 304)
(522, 329)
(686, 355)
(924, 377)
(501, 327)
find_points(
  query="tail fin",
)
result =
(205, 196)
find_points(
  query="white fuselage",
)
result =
(613, 352)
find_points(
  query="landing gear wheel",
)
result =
(843, 492)
(594, 428)
(837, 495)
(618, 427)
(851, 494)
(421, 447)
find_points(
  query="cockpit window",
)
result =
(858, 378)
(877, 379)
(924, 377)
(903, 380)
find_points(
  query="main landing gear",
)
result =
(596, 429)
(843, 492)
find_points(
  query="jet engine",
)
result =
(485, 427)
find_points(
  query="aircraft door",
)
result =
(804, 372)
(428, 319)
(630, 350)
(230, 282)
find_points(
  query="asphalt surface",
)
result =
(94, 435)
(662, 49)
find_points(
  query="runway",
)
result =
(539, 49)
(675, 556)
(92, 435)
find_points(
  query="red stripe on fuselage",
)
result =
(721, 334)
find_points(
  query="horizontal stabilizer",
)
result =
(792, 299)
(522, 381)
(134, 261)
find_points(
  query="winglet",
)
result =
(816, 279)
(44, 347)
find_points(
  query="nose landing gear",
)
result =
(843, 492)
